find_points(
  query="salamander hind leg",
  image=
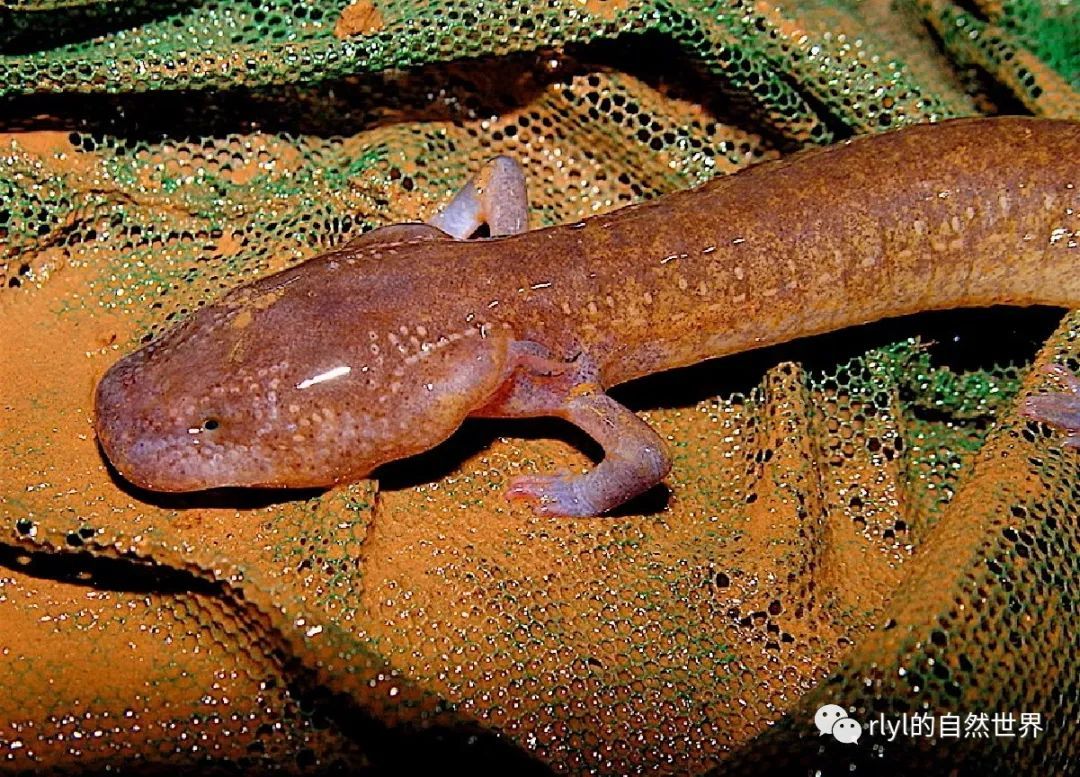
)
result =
(1059, 409)
(635, 458)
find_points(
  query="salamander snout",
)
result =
(162, 438)
(132, 424)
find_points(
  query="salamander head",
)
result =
(190, 412)
(297, 388)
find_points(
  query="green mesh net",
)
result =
(860, 519)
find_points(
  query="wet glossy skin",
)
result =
(316, 375)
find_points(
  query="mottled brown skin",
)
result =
(432, 329)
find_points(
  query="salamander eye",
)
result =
(208, 424)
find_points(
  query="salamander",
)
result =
(379, 350)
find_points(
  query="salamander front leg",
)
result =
(495, 196)
(635, 460)
(1060, 409)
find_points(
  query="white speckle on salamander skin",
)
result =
(322, 377)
